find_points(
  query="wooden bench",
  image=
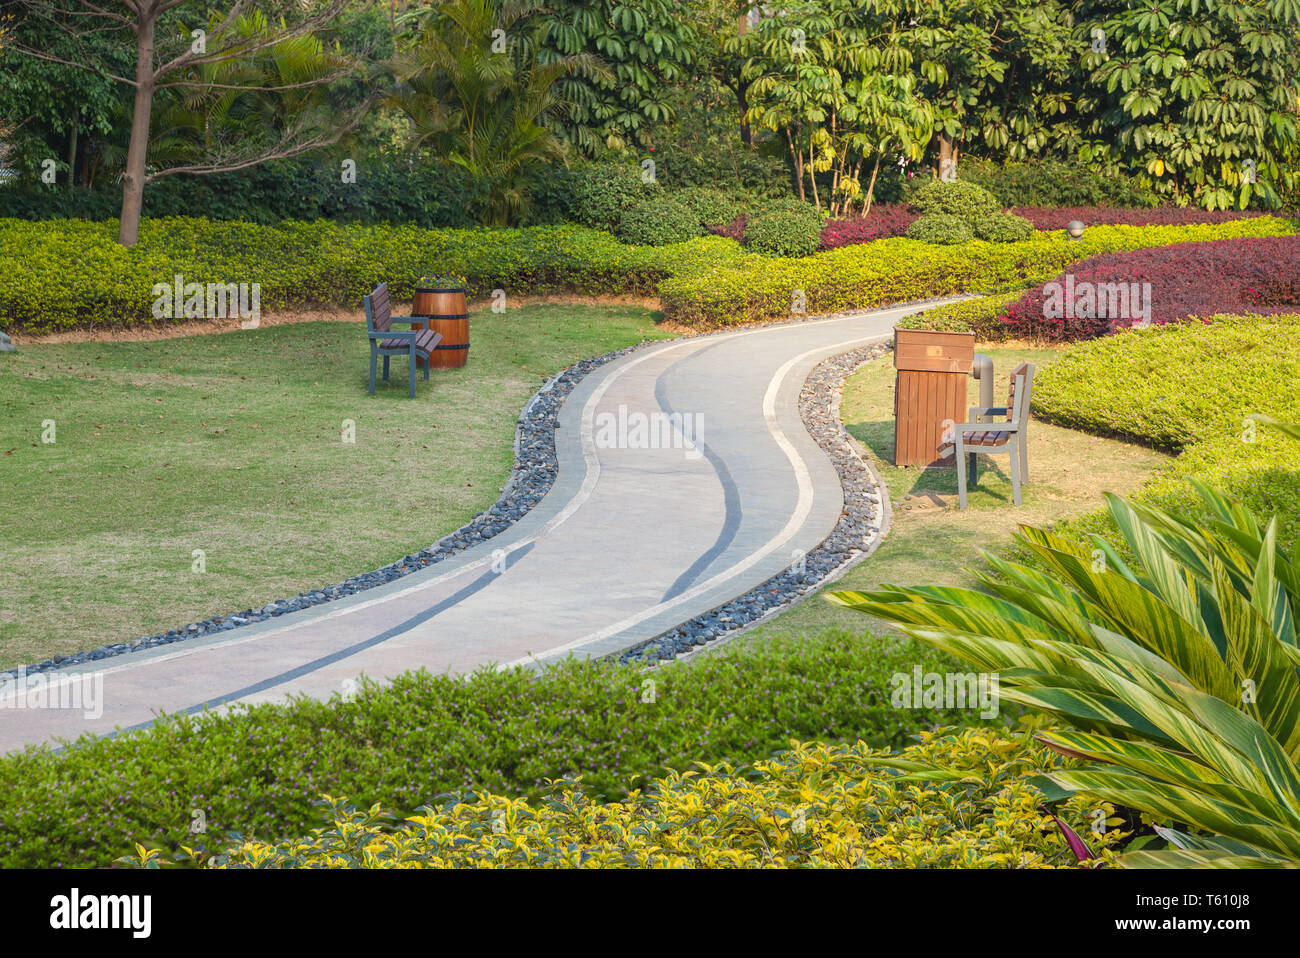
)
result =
(989, 437)
(388, 342)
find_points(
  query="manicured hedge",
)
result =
(1189, 388)
(67, 273)
(260, 770)
(1058, 217)
(820, 806)
(1054, 183)
(750, 288)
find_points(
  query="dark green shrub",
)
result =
(1054, 183)
(1003, 228)
(259, 770)
(711, 207)
(603, 192)
(658, 222)
(954, 199)
(941, 228)
(423, 192)
(785, 228)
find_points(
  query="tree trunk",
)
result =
(871, 187)
(947, 158)
(798, 163)
(72, 158)
(812, 176)
(128, 231)
(746, 134)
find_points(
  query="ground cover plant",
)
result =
(1164, 285)
(260, 770)
(1058, 217)
(233, 444)
(821, 806)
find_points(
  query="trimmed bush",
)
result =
(784, 229)
(1003, 228)
(982, 316)
(943, 228)
(751, 288)
(603, 192)
(1057, 217)
(658, 222)
(259, 769)
(821, 806)
(954, 199)
(885, 221)
(1189, 388)
(709, 206)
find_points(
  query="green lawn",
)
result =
(934, 543)
(231, 444)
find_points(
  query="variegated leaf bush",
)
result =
(815, 806)
(1176, 670)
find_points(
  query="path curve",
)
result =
(642, 529)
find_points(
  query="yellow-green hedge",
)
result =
(817, 805)
(60, 274)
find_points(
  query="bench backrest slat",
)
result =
(379, 311)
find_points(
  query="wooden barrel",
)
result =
(447, 314)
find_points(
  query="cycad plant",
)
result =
(473, 84)
(1173, 662)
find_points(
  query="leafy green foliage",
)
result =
(603, 192)
(828, 806)
(788, 228)
(710, 207)
(1177, 672)
(647, 47)
(1003, 228)
(1200, 101)
(658, 222)
(258, 770)
(959, 198)
(1048, 182)
(943, 228)
(1191, 388)
(706, 281)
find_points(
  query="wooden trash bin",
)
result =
(446, 313)
(929, 392)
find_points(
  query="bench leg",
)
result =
(374, 354)
(411, 377)
(386, 358)
(1024, 457)
(961, 474)
(1014, 453)
(427, 364)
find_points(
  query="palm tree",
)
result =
(475, 90)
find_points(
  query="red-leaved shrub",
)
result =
(885, 220)
(1164, 284)
(1055, 217)
(733, 230)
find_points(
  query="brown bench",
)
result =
(388, 342)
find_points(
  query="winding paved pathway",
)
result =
(628, 543)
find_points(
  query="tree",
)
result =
(1200, 99)
(833, 77)
(476, 87)
(171, 53)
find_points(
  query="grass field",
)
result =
(232, 444)
(932, 542)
